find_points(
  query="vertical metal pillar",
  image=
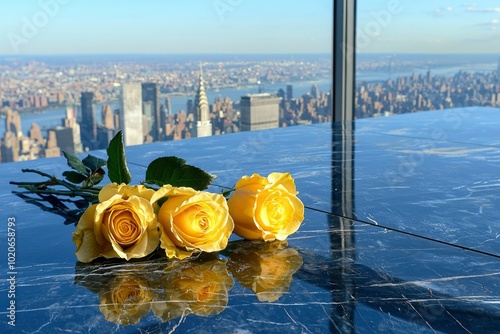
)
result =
(342, 234)
(344, 52)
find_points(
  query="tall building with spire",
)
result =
(202, 125)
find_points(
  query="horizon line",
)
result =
(241, 54)
(164, 54)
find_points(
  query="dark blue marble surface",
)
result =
(401, 235)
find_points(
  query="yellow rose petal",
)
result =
(125, 191)
(84, 238)
(284, 179)
(192, 221)
(266, 208)
(122, 225)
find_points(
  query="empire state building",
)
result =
(203, 126)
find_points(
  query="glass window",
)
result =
(425, 55)
(71, 59)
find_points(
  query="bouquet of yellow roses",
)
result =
(170, 209)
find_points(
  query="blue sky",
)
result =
(243, 26)
(430, 26)
(169, 26)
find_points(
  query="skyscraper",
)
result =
(168, 106)
(259, 111)
(498, 69)
(13, 123)
(189, 106)
(289, 92)
(35, 134)
(202, 125)
(88, 124)
(107, 117)
(131, 114)
(314, 91)
(9, 145)
(281, 93)
(9, 148)
(51, 148)
(70, 135)
(148, 119)
(151, 99)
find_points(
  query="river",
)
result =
(53, 117)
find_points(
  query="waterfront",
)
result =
(52, 117)
(373, 69)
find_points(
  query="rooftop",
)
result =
(259, 96)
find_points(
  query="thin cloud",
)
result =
(443, 10)
(492, 38)
(475, 9)
(491, 24)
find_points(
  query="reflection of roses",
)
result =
(125, 289)
(266, 268)
(126, 300)
(122, 225)
(194, 287)
(266, 208)
(192, 221)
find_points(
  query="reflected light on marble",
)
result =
(400, 236)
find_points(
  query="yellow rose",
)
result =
(192, 221)
(194, 287)
(122, 225)
(126, 300)
(266, 208)
(265, 268)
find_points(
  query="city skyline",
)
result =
(221, 117)
(39, 27)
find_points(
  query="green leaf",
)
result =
(227, 192)
(175, 171)
(94, 179)
(117, 163)
(75, 163)
(93, 163)
(74, 177)
(97, 176)
(162, 201)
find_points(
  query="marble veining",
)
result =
(401, 235)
